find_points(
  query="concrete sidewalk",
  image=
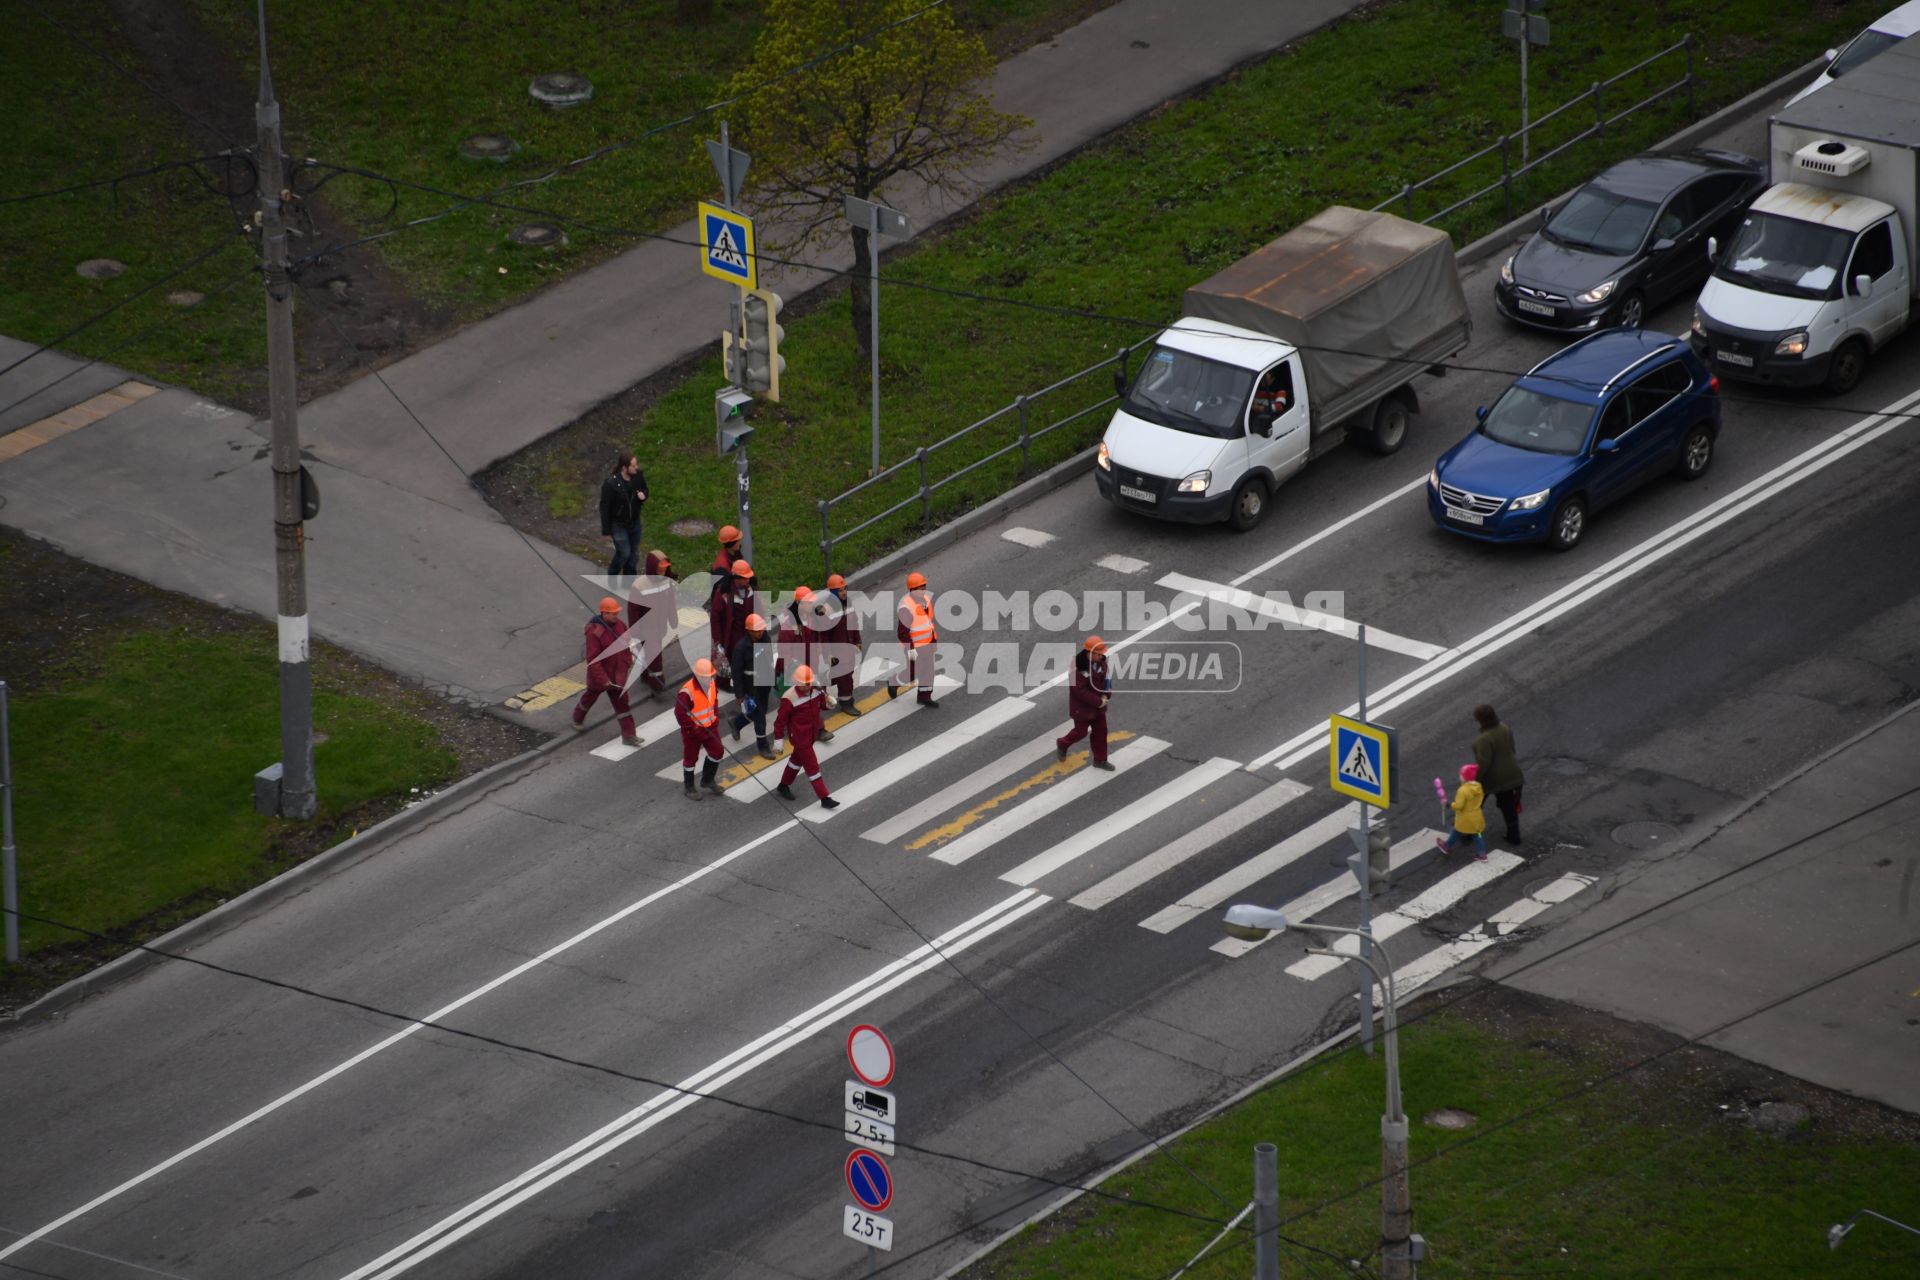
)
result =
(1804, 886)
(407, 563)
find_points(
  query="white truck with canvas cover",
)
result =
(1821, 274)
(1276, 358)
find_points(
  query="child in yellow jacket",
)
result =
(1469, 823)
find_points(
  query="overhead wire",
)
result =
(191, 164)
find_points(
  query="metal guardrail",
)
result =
(1024, 439)
(1601, 120)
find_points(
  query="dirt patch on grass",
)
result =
(57, 615)
(354, 312)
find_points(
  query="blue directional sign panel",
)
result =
(869, 1180)
(726, 246)
(1361, 758)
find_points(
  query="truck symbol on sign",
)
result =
(873, 1102)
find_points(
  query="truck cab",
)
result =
(1215, 419)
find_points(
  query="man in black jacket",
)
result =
(622, 494)
(752, 663)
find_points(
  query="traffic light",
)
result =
(733, 362)
(1379, 843)
(730, 419)
(760, 343)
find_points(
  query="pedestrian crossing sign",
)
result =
(1362, 757)
(726, 246)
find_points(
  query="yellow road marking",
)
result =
(72, 418)
(1052, 773)
(834, 723)
(543, 695)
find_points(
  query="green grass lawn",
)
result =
(1644, 1176)
(134, 780)
(1347, 117)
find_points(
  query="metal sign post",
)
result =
(872, 1113)
(1518, 23)
(1365, 874)
(879, 220)
(9, 885)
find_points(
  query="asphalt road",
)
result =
(606, 936)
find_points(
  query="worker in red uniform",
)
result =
(651, 612)
(728, 553)
(843, 641)
(1088, 694)
(803, 710)
(609, 663)
(698, 711)
(799, 640)
(734, 598)
(915, 631)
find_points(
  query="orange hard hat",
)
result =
(661, 556)
(916, 580)
(741, 569)
(803, 675)
(802, 592)
(609, 605)
(836, 583)
(1094, 644)
(703, 669)
(728, 534)
(756, 623)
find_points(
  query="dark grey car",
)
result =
(1630, 240)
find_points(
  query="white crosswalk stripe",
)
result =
(1429, 902)
(1197, 902)
(890, 773)
(1105, 830)
(1502, 922)
(1339, 889)
(1292, 615)
(1199, 840)
(979, 780)
(1057, 796)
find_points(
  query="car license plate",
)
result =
(1537, 308)
(1138, 495)
(1745, 362)
(1465, 517)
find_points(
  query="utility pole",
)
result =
(293, 796)
(1266, 1211)
(9, 883)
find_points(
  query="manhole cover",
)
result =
(561, 89)
(488, 146)
(185, 298)
(1644, 835)
(691, 527)
(100, 268)
(1450, 1118)
(537, 235)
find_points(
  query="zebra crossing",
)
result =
(1130, 847)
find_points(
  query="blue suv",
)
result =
(1578, 431)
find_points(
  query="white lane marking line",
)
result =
(1292, 615)
(1596, 582)
(1196, 902)
(1121, 564)
(1339, 889)
(1056, 796)
(980, 779)
(1168, 857)
(1028, 537)
(1472, 943)
(406, 1031)
(749, 789)
(897, 770)
(1429, 902)
(1093, 837)
(662, 1106)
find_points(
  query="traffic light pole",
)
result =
(1364, 839)
(746, 504)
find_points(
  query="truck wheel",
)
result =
(1389, 429)
(1569, 522)
(1848, 367)
(1249, 504)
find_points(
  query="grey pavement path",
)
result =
(407, 563)
(1845, 889)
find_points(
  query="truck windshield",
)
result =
(1599, 220)
(1538, 423)
(1863, 48)
(1786, 256)
(1191, 393)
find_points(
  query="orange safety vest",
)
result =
(920, 633)
(704, 702)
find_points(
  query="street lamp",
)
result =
(1399, 1249)
(1838, 1231)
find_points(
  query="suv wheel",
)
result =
(1696, 455)
(1569, 523)
(1249, 504)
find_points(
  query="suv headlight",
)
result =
(1599, 293)
(1531, 502)
(1433, 478)
(1506, 269)
(1699, 325)
(1104, 457)
(1794, 344)
(1196, 483)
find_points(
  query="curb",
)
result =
(262, 897)
(1486, 246)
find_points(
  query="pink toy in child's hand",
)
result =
(1440, 789)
